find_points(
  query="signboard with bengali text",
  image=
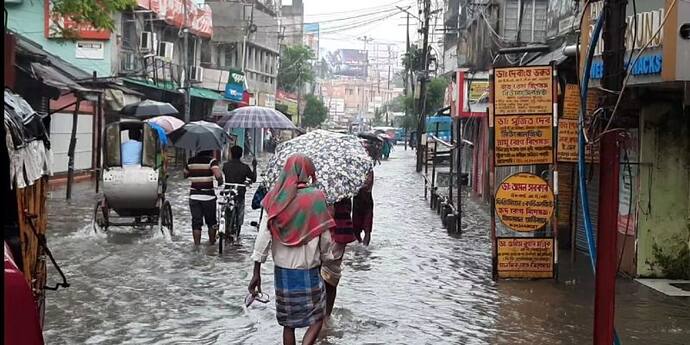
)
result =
(571, 102)
(523, 140)
(525, 257)
(523, 90)
(524, 202)
(55, 25)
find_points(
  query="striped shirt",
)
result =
(201, 176)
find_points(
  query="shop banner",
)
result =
(55, 25)
(234, 89)
(524, 202)
(523, 90)
(530, 257)
(523, 140)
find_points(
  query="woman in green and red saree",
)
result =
(296, 230)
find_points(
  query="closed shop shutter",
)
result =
(592, 179)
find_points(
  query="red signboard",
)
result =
(55, 25)
(202, 24)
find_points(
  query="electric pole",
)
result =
(422, 84)
(606, 265)
(187, 83)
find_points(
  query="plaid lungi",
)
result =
(300, 297)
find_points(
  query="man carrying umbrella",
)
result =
(201, 170)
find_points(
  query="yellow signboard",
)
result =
(477, 89)
(567, 140)
(525, 257)
(571, 102)
(568, 143)
(523, 90)
(523, 140)
(524, 202)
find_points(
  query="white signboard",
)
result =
(93, 50)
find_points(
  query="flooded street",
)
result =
(415, 284)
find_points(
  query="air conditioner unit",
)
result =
(147, 41)
(165, 50)
(196, 74)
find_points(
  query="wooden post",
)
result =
(72, 147)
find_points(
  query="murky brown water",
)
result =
(413, 285)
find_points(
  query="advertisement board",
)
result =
(311, 38)
(523, 90)
(56, 25)
(234, 89)
(523, 140)
(525, 257)
(524, 202)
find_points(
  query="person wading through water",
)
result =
(342, 234)
(201, 170)
(296, 229)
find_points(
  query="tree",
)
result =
(378, 118)
(315, 112)
(295, 68)
(435, 94)
(98, 14)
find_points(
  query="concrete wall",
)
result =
(664, 182)
(28, 19)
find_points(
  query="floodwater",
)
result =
(415, 284)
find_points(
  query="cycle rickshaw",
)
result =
(133, 191)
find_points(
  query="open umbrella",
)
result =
(341, 162)
(199, 136)
(168, 123)
(256, 117)
(148, 108)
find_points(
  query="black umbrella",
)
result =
(199, 136)
(148, 108)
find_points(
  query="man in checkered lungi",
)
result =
(296, 230)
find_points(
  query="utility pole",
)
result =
(422, 84)
(187, 82)
(606, 265)
(406, 73)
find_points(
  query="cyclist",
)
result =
(237, 172)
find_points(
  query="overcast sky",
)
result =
(343, 21)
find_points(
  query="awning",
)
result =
(170, 86)
(52, 77)
(205, 94)
(556, 56)
(163, 85)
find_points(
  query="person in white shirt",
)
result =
(297, 230)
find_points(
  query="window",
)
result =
(130, 39)
(349, 92)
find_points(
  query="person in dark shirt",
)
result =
(237, 172)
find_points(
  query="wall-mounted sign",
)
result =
(477, 89)
(645, 65)
(94, 50)
(523, 90)
(525, 257)
(567, 140)
(524, 202)
(571, 102)
(523, 140)
(55, 26)
(234, 89)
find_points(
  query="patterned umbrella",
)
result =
(168, 123)
(199, 136)
(256, 117)
(341, 162)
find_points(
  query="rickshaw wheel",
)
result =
(100, 217)
(165, 218)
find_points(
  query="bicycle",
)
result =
(228, 199)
